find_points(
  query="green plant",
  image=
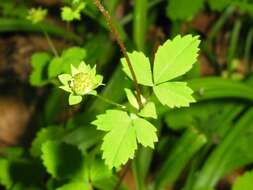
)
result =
(153, 116)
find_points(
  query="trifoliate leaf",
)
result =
(71, 56)
(141, 67)
(75, 186)
(120, 143)
(39, 62)
(244, 182)
(174, 94)
(148, 110)
(183, 9)
(145, 132)
(174, 58)
(63, 161)
(45, 134)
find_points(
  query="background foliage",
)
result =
(202, 147)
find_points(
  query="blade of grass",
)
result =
(187, 146)
(247, 51)
(140, 23)
(233, 45)
(22, 25)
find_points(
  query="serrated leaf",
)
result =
(120, 143)
(63, 161)
(111, 119)
(174, 58)
(124, 145)
(244, 182)
(45, 134)
(145, 132)
(39, 62)
(75, 186)
(149, 110)
(72, 56)
(174, 94)
(141, 67)
(183, 9)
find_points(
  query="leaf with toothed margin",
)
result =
(175, 57)
(174, 94)
(141, 67)
(124, 131)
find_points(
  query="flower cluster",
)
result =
(82, 81)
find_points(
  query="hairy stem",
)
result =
(122, 47)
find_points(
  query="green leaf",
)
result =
(183, 9)
(74, 99)
(63, 161)
(123, 133)
(141, 67)
(39, 62)
(75, 186)
(121, 136)
(111, 119)
(233, 152)
(148, 110)
(174, 58)
(219, 5)
(5, 178)
(69, 14)
(244, 182)
(131, 98)
(145, 132)
(12, 173)
(72, 56)
(174, 94)
(45, 134)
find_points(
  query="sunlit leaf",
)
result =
(141, 67)
(175, 57)
(174, 94)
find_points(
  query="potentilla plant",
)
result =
(126, 126)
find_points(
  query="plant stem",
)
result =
(50, 43)
(110, 102)
(123, 175)
(122, 47)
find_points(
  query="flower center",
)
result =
(82, 83)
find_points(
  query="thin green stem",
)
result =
(51, 44)
(111, 102)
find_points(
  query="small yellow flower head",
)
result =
(37, 15)
(82, 81)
